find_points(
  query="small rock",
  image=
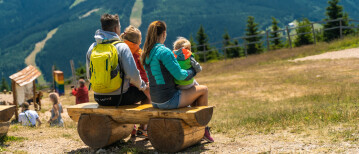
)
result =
(100, 151)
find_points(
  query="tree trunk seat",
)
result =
(168, 130)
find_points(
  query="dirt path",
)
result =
(31, 59)
(88, 13)
(47, 139)
(136, 14)
(348, 53)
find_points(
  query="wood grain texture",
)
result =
(4, 128)
(6, 112)
(173, 135)
(15, 99)
(34, 95)
(141, 114)
(98, 131)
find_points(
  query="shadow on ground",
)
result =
(137, 145)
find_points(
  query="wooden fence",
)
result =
(285, 33)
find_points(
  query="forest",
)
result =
(22, 24)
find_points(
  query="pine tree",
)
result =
(239, 49)
(193, 47)
(304, 39)
(4, 85)
(193, 44)
(252, 29)
(233, 51)
(81, 71)
(276, 43)
(335, 11)
(202, 39)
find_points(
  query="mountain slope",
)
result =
(24, 23)
(73, 39)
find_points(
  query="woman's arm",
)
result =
(171, 64)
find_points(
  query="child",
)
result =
(132, 37)
(183, 54)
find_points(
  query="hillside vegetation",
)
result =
(24, 23)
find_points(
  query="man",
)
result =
(104, 70)
(81, 93)
(28, 117)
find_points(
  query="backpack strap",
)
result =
(122, 74)
(116, 42)
(30, 123)
(119, 66)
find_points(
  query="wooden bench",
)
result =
(168, 130)
(6, 112)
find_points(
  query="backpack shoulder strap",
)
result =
(116, 42)
(28, 119)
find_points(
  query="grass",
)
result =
(238, 64)
(267, 93)
(6, 139)
(262, 94)
(136, 14)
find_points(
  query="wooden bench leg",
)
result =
(98, 131)
(173, 135)
(4, 128)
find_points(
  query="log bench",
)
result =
(6, 112)
(168, 130)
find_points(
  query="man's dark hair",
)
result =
(109, 22)
(25, 105)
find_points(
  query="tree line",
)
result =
(232, 49)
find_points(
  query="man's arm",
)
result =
(74, 91)
(39, 121)
(88, 54)
(37, 118)
(129, 66)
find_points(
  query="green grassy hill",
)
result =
(23, 23)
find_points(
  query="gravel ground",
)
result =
(6, 98)
(348, 53)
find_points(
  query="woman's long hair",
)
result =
(154, 32)
(54, 97)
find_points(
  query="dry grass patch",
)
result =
(282, 94)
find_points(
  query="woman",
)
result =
(56, 119)
(162, 68)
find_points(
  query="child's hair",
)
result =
(182, 42)
(54, 97)
(131, 34)
(154, 32)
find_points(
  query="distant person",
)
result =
(56, 118)
(132, 37)
(162, 69)
(183, 54)
(111, 67)
(28, 117)
(38, 96)
(81, 93)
